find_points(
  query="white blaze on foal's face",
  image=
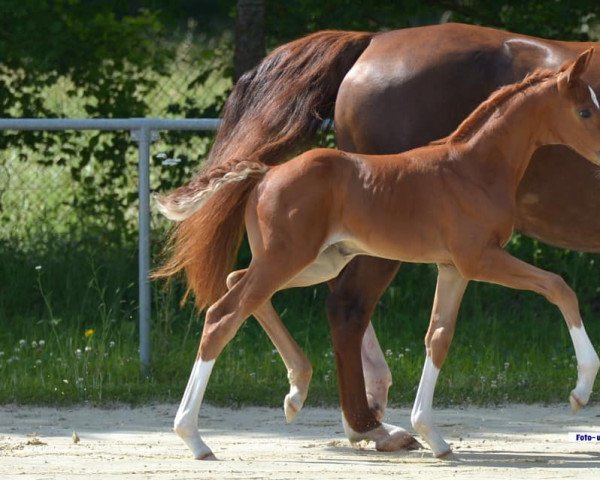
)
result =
(594, 97)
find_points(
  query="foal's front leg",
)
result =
(448, 296)
(497, 266)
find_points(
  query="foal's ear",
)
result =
(574, 71)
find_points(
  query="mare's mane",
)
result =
(471, 125)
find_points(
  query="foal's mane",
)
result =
(471, 125)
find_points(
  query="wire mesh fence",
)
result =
(68, 200)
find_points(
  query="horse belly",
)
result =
(330, 262)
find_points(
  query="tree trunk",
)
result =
(249, 36)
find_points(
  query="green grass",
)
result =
(509, 346)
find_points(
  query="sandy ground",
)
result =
(253, 443)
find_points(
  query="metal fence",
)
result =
(143, 132)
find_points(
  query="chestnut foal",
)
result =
(451, 203)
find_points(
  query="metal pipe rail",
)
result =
(143, 131)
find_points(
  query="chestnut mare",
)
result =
(452, 203)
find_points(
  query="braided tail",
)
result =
(210, 214)
(183, 202)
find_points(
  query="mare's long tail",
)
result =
(270, 112)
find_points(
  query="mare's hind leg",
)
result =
(298, 366)
(448, 295)
(378, 377)
(350, 306)
(364, 280)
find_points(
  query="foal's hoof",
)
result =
(207, 456)
(576, 404)
(447, 455)
(401, 440)
(292, 406)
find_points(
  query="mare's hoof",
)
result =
(398, 441)
(576, 404)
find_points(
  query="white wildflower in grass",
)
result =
(65, 381)
(22, 343)
(41, 343)
(111, 344)
(38, 267)
(388, 353)
(506, 365)
(253, 376)
(274, 351)
(88, 349)
(1, 354)
(34, 344)
(493, 384)
(326, 378)
(78, 353)
(407, 349)
(38, 362)
(400, 355)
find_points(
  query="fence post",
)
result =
(143, 135)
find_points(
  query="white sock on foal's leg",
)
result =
(587, 367)
(186, 420)
(422, 412)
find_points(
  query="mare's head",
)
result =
(575, 119)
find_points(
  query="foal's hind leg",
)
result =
(298, 366)
(448, 295)
(222, 321)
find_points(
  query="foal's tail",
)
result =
(205, 242)
(185, 201)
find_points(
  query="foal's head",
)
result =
(575, 119)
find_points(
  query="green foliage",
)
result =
(559, 19)
(290, 19)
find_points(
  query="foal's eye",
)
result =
(585, 113)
